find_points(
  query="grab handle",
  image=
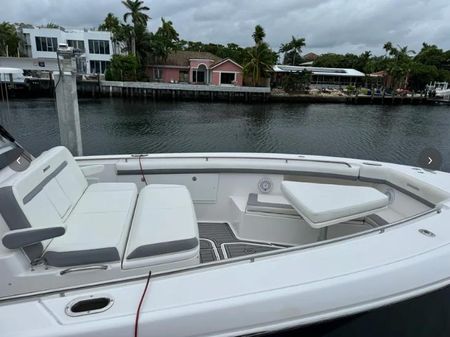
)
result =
(88, 268)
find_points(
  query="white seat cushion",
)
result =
(97, 228)
(53, 192)
(324, 204)
(164, 228)
(106, 197)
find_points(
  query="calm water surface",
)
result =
(387, 133)
(114, 126)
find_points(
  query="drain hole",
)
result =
(90, 305)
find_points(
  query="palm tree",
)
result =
(400, 64)
(9, 40)
(259, 34)
(260, 58)
(294, 46)
(260, 62)
(110, 23)
(167, 31)
(118, 36)
(136, 12)
(138, 17)
(163, 42)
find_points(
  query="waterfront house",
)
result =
(310, 57)
(381, 79)
(320, 77)
(196, 68)
(40, 45)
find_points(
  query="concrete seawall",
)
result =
(173, 91)
(209, 93)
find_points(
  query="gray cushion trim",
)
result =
(378, 220)
(16, 219)
(163, 248)
(19, 239)
(11, 211)
(35, 191)
(253, 201)
(34, 251)
(81, 257)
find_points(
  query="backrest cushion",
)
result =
(402, 178)
(53, 182)
(45, 193)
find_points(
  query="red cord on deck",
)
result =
(136, 322)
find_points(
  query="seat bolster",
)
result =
(82, 257)
(11, 210)
(161, 248)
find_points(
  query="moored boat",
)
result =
(237, 243)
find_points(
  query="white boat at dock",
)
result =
(237, 243)
(439, 92)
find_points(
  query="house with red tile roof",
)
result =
(196, 68)
(310, 57)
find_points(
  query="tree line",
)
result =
(406, 68)
(145, 47)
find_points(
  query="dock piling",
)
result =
(67, 102)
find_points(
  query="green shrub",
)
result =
(122, 68)
(297, 82)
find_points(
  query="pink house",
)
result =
(197, 68)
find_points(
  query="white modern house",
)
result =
(95, 46)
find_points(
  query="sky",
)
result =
(327, 25)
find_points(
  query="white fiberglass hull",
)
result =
(255, 297)
(267, 293)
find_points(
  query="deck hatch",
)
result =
(89, 305)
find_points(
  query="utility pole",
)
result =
(67, 100)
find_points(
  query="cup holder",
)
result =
(89, 305)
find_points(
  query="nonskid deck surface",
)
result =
(218, 242)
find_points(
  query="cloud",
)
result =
(327, 25)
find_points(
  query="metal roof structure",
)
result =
(4, 70)
(344, 72)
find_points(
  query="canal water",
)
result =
(114, 126)
(386, 133)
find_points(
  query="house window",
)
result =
(98, 67)
(198, 76)
(227, 78)
(81, 65)
(76, 44)
(98, 46)
(46, 43)
(157, 73)
(184, 76)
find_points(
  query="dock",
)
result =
(173, 91)
(350, 99)
(205, 93)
